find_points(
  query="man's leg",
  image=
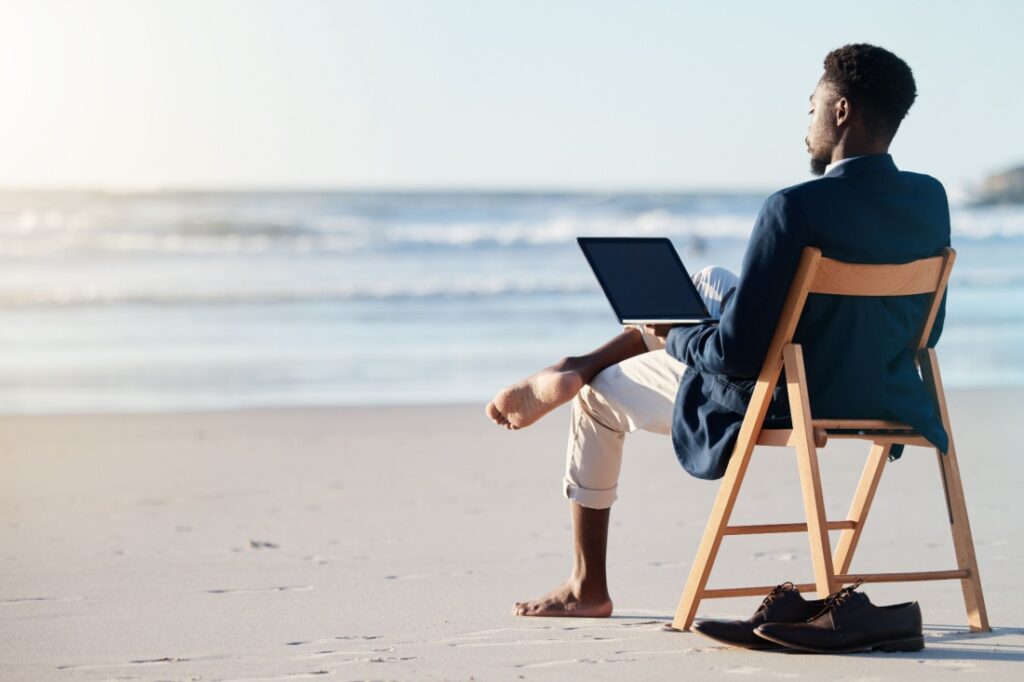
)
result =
(637, 393)
(585, 593)
(526, 401)
(715, 285)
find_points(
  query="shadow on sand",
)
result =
(947, 643)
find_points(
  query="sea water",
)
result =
(204, 300)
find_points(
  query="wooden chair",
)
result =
(816, 274)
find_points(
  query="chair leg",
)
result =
(963, 541)
(728, 491)
(712, 539)
(814, 509)
(860, 506)
(810, 479)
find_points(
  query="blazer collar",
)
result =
(864, 165)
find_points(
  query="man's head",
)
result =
(860, 101)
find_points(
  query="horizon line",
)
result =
(314, 188)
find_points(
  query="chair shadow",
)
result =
(976, 646)
(965, 645)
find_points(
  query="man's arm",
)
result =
(737, 345)
(940, 317)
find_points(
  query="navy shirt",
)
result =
(858, 351)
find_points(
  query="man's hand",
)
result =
(659, 330)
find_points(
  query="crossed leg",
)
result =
(526, 401)
(616, 392)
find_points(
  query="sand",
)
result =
(390, 544)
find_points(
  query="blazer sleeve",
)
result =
(737, 345)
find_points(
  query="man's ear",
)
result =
(842, 111)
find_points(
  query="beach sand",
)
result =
(390, 544)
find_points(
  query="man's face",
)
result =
(822, 132)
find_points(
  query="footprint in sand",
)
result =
(952, 664)
(22, 600)
(344, 638)
(777, 556)
(163, 660)
(262, 544)
(285, 588)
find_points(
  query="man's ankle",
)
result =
(589, 588)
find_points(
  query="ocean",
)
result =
(219, 300)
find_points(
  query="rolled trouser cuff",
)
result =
(587, 497)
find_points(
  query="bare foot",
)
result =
(526, 401)
(565, 602)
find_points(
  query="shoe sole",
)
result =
(891, 646)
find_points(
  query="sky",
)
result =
(524, 94)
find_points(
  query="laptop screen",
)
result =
(643, 278)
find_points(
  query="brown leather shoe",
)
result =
(850, 623)
(782, 605)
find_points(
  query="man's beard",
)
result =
(818, 165)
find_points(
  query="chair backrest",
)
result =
(924, 276)
(816, 274)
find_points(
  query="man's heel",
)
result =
(911, 644)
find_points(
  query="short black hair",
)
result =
(874, 79)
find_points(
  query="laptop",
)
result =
(644, 280)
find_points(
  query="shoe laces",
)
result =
(834, 600)
(776, 592)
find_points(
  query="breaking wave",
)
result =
(465, 289)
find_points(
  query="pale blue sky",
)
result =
(480, 93)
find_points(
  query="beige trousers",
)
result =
(637, 393)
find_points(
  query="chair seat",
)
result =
(874, 430)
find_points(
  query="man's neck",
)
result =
(849, 147)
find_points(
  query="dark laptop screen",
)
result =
(643, 278)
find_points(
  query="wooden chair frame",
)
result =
(816, 274)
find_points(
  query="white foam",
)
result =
(987, 222)
(273, 292)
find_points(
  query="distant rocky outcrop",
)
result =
(1003, 188)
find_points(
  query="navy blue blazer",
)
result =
(857, 351)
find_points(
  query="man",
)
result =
(695, 382)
